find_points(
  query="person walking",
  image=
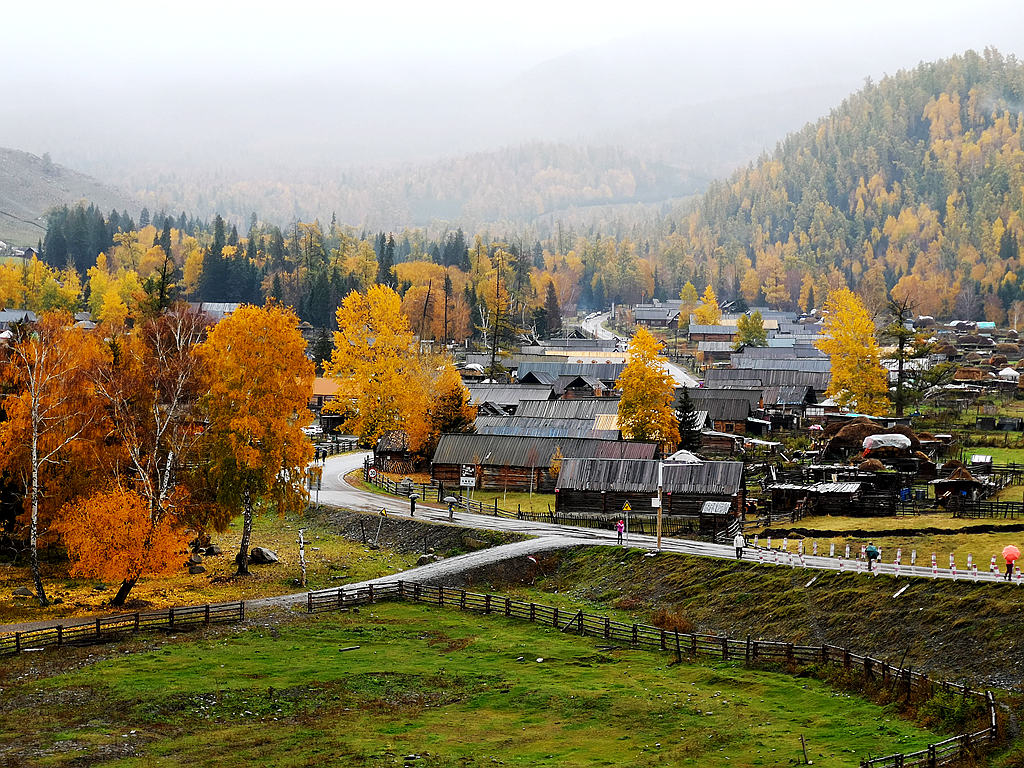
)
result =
(739, 543)
(872, 554)
(620, 526)
(1010, 554)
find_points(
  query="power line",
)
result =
(27, 221)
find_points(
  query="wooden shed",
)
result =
(518, 463)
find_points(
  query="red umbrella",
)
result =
(1010, 553)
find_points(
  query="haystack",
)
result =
(951, 465)
(871, 465)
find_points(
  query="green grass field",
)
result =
(427, 687)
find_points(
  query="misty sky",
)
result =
(111, 87)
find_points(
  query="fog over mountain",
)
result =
(156, 100)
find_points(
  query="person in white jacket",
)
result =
(739, 542)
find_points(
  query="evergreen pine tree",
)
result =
(689, 429)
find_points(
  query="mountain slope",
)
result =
(31, 185)
(916, 181)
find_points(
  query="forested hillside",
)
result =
(913, 183)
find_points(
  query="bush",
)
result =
(671, 621)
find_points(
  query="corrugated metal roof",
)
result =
(711, 477)
(502, 450)
(607, 422)
(721, 405)
(790, 395)
(791, 364)
(768, 378)
(714, 346)
(716, 329)
(583, 408)
(715, 478)
(541, 427)
(602, 371)
(507, 394)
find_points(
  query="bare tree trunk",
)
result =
(123, 590)
(34, 521)
(242, 559)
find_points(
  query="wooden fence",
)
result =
(694, 645)
(1004, 510)
(118, 626)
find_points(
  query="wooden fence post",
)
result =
(693, 645)
(17, 642)
(462, 599)
(241, 610)
(136, 621)
(662, 639)
(170, 620)
(206, 617)
(309, 602)
(746, 652)
(789, 653)
(487, 600)
(635, 638)
(554, 618)
(371, 591)
(508, 606)
(60, 635)
(416, 592)
(440, 595)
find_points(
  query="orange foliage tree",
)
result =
(49, 413)
(258, 380)
(112, 535)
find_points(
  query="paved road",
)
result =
(593, 325)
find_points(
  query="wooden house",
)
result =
(579, 386)
(516, 463)
(392, 454)
(603, 486)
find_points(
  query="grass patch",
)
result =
(449, 688)
(536, 503)
(331, 559)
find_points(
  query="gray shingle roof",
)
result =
(507, 451)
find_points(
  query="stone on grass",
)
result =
(195, 559)
(213, 550)
(22, 592)
(196, 569)
(262, 556)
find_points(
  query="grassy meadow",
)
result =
(415, 685)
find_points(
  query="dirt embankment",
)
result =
(957, 630)
(404, 535)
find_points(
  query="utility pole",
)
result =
(302, 556)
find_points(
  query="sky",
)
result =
(112, 87)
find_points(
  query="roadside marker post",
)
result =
(935, 567)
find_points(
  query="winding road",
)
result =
(593, 325)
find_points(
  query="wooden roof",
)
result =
(518, 451)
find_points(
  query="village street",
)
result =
(336, 491)
(593, 325)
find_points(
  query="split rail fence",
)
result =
(695, 645)
(118, 626)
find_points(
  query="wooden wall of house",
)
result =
(610, 502)
(491, 478)
(732, 427)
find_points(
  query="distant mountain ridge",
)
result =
(31, 185)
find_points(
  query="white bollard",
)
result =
(832, 549)
(785, 544)
(899, 555)
(952, 565)
(814, 548)
(756, 536)
(800, 546)
(769, 542)
(842, 563)
(847, 551)
(992, 565)
(935, 567)
(913, 558)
